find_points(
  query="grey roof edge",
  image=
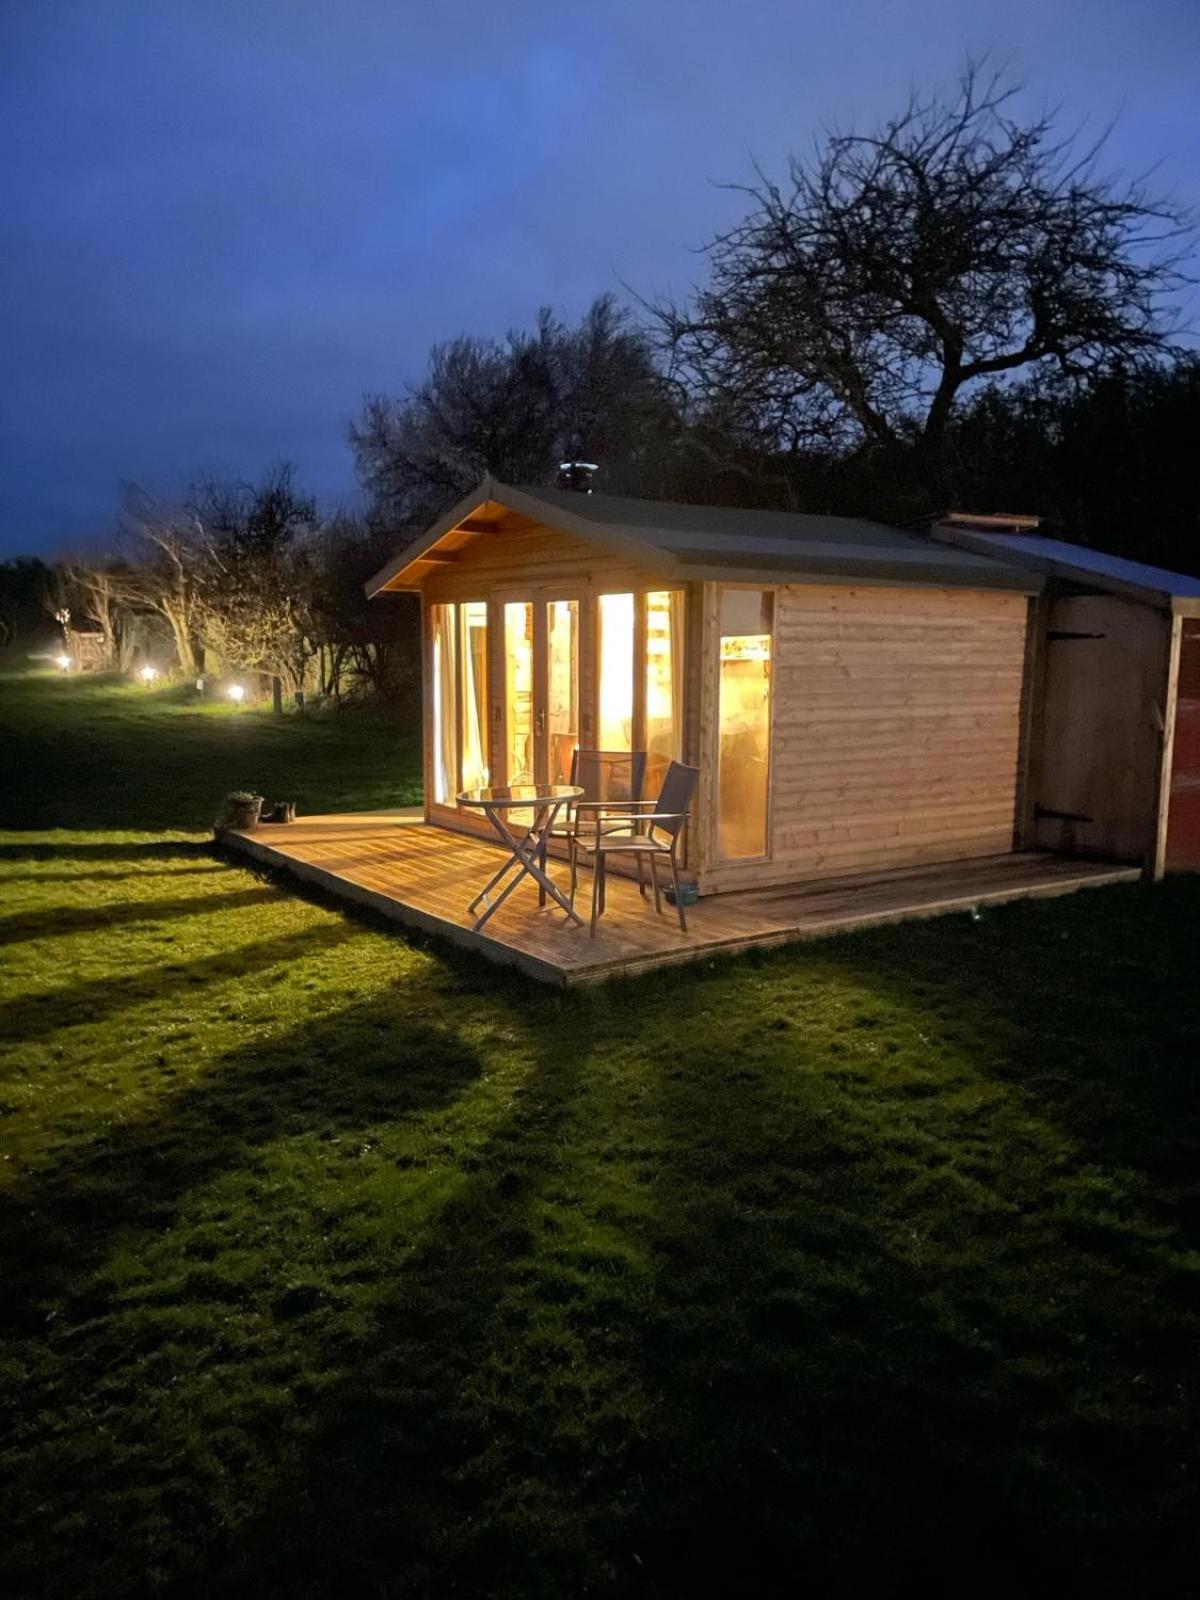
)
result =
(1058, 566)
(812, 563)
(701, 566)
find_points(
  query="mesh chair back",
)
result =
(679, 786)
(609, 774)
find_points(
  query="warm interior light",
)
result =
(63, 661)
(746, 647)
(616, 621)
(149, 673)
(236, 692)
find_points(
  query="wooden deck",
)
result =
(424, 876)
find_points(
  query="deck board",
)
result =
(424, 877)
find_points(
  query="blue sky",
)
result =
(222, 223)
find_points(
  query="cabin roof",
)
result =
(701, 541)
(1096, 569)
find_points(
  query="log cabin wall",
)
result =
(896, 712)
(897, 719)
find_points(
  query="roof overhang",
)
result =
(486, 510)
(1054, 566)
(493, 507)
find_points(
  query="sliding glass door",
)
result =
(459, 691)
(541, 699)
(626, 647)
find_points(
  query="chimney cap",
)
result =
(991, 522)
(577, 475)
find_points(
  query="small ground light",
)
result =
(63, 662)
(236, 693)
(149, 674)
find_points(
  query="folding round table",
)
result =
(545, 801)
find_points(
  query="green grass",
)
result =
(335, 1264)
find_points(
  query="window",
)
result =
(562, 687)
(615, 622)
(664, 684)
(445, 732)
(744, 735)
(518, 691)
(473, 700)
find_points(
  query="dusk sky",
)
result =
(222, 223)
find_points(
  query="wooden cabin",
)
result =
(857, 698)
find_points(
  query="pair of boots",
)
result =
(281, 811)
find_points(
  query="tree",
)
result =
(26, 587)
(167, 562)
(514, 409)
(252, 588)
(853, 307)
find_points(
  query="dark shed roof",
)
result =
(697, 541)
(1079, 564)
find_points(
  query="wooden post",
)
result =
(277, 695)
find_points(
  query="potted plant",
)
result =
(239, 812)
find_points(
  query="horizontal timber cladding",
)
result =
(896, 730)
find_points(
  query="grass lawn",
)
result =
(339, 1264)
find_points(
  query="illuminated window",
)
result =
(445, 736)
(473, 693)
(518, 691)
(562, 672)
(747, 619)
(615, 614)
(664, 684)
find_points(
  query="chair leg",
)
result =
(597, 869)
(678, 897)
(542, 865)
(641, 876)
(654, 878)
(574, 868)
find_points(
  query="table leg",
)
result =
(525, 853)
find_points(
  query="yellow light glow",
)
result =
(746, 647)
(236, 693)
(616, 620)
(63, 661)
(149, 674)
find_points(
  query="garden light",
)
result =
(63, 662)
(236, 693)
(149, 673)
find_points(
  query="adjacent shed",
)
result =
(1114, 768)
(856, 696)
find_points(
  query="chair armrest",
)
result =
(613, 824)
(611, 805)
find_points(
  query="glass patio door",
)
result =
(541, 688)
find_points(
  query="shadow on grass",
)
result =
(77, 1004)
(58, 922)
(95, 875)
(1089, 1007)
(99, 850)
(712, 1309)
(339, 1073)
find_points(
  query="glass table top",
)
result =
(519, 794)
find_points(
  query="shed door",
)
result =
(1095, 781)
(1183, 824)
